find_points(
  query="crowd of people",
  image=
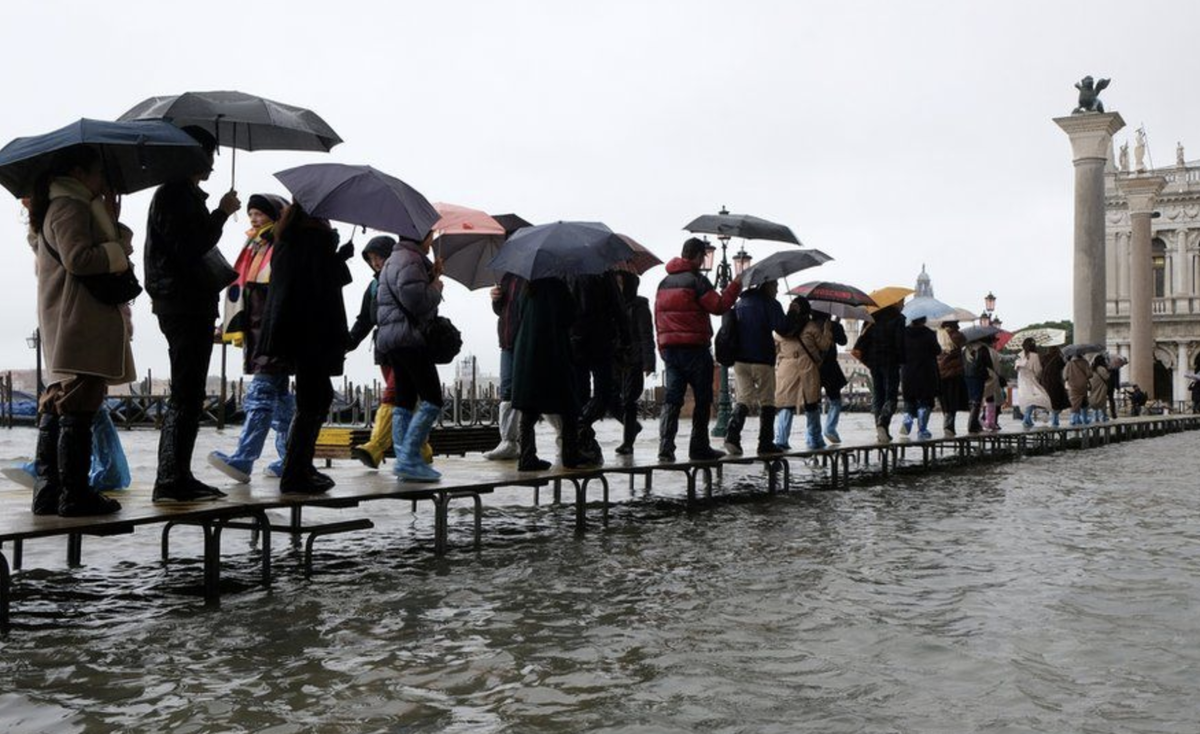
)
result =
(573, 350)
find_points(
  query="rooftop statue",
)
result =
(1089, 95)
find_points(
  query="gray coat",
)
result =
(407, 275)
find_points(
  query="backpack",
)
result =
(727, 343)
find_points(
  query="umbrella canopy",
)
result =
(560, 250)
(782, 264)
(642, 259)
(1073, 350)
(842, 310)
(824, 290)
(511, 223)
(136, 155)
(241, 120)
(1191, 376)
(1117, 362)
(979, 333)
(467, 240)
(925, 307)
(741, 225)
(958, 314)
(361, 195)
(890, 295)
(1003, 338)
(1042, 337)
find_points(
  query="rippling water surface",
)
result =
(1056, 594)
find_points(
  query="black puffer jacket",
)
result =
(180, 231)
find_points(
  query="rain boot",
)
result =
(110, 467)
(733, 431)
(187, 430)
(259, 407)
(948, 420)
(509, 425)
(1054, 418)
(668, 426)
(973, 425)
(1027, 419)
(298, 475)
(409, 463)
(572, 458)
(401, 419)
(989, 419)
(371, 453)
(906, 424)
(630, 431)
(281, 423)
(46, 488)
(766, 431)
(812, 419)
(173, 481)
(589, 448)
(699, 447)
(923, 424)
(529, 460)
(783, 428)
(831, 421)
(78, 499)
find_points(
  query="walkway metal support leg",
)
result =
(212, 561)
(74, 550)
(264, 531)
(5, 584)
(18, 554)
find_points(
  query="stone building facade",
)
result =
(1176, 265)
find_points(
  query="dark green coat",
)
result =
(543, 375)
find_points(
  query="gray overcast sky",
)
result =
(887, 134)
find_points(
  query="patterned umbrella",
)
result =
(824, 290)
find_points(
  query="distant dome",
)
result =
(924, 285)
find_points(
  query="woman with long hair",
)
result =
(800, 349)
(1030, 393)
(304, 325)
(74, 215)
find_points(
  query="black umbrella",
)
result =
(241, 120)
(825, 290)
(1073, 350)
(511, 223)
(136, 155)
(979, 333)
(360, 195)
(745, 226)
(782, 264)
(561, 250)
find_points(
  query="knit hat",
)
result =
(381, 245)
(266, 204)
(203, 137)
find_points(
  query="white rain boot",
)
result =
(509, 422)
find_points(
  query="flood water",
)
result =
(1053, 594)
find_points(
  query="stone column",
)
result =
(1141, 194)
(1181, 366)
(1090, 135)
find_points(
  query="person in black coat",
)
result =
(634, 362)
(305, 323)
(180, 233)
(833, 380)
(881, 349)
(920, 377)
(599, 332)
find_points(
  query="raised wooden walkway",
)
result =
(472, 478)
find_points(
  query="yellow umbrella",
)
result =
(889, 296)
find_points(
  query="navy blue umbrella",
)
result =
(560, 250)
(136, 155)
(360, 195)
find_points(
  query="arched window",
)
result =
(1158, 256)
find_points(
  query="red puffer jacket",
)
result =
(685, 301)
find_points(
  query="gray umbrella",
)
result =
(1073, 350)
(241, 120)
(781, 265)
(745, 226)
(360, 195)
(561, 250)
(979, 333)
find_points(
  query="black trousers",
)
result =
(633, 382)
(416, 378)
(189, 347)
(314, 392)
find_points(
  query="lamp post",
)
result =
(988, 317)
(725, 276)
(34, 341)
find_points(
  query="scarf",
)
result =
(253, 265)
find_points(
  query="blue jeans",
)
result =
(688, 367)
(506, 370)
(885, 393)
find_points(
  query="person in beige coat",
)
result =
(1098, 389)
(86, 342)
(1077, 375)
(799, 352)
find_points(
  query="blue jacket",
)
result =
(758, 316)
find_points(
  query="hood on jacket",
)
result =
(679, 265)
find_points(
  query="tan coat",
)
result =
(1098, 387)
(1077, 374)
(81, 335)
(798, 365)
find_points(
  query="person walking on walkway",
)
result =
(801, 346)
(269, 403)
(1078, 375)
(600, 332)
(952, 389)
(180, 233)
(833, 380)
(683, 307)
(410, 290)
(371, 453)
(305, 326)
(919, 378)
(1030, 393)
(1098, 388)
(977, 367)
(635, 362)
(506, 304)
(759, 318)
(881, 349)
(86, 342)
(543, 378)
(1052, 383)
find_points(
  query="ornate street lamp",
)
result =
(989, 302)
(741, 261)
(709, 254)
(985, 319)
(724, 401)
(34, 341)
